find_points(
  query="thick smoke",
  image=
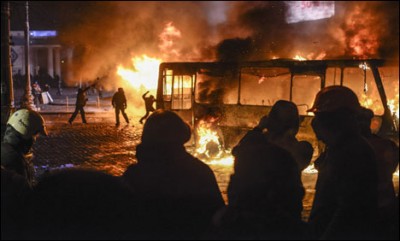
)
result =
(107, 34)
(357, 30)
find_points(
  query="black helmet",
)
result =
(335, 97)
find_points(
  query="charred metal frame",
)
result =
(296, 67)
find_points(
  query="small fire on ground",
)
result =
(210, 147)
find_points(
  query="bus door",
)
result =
(177, 93)
(182, 96)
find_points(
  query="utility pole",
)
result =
(7, 93)
(27, 101)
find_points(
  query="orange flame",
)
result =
(363, 42)
(209, 148)
(144, 72)
(298, 57)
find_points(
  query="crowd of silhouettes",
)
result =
(170, 194)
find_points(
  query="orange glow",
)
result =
(209, 147)
(167, 46)
(298, 57)
(394, 106)
(363, 42)
(144, 72)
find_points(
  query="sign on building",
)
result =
(299, 11)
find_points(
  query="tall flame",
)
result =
(144, 72)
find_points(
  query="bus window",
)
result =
(264, 86)
(182, 92)
(364, 86)
(216, 86)
(167, 84)
(390, 81)
(305, 88)
(332, 76)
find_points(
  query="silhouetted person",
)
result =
(78, 204)
(119, 103)
(265, 194)
(81, 100)
(346, 198)
(180, 192)
(387, 153)
(148, 101)
(282, 124)
(22, 129)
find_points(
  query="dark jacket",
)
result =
(265, 194)
(119, 100)
(180, 192)
(255, 155)
(345, 202)
(12, 159)
(81, 98)
(148, 102)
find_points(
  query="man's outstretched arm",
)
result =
(144, 95)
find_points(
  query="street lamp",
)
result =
(27, 101)
(7, 94)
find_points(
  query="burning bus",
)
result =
(223, 100)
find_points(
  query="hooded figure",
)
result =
(180, 192)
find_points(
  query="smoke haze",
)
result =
(108, 34)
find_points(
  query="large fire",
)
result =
(362, 42)
(144, 72)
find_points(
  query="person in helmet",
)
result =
(119, 103)
(149, 105)
(346, 199)
(21, 131)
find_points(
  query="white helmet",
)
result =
(28, 123)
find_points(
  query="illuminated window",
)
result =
(264, 86)
(182, 92)
(304, 90)
(362, 82)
